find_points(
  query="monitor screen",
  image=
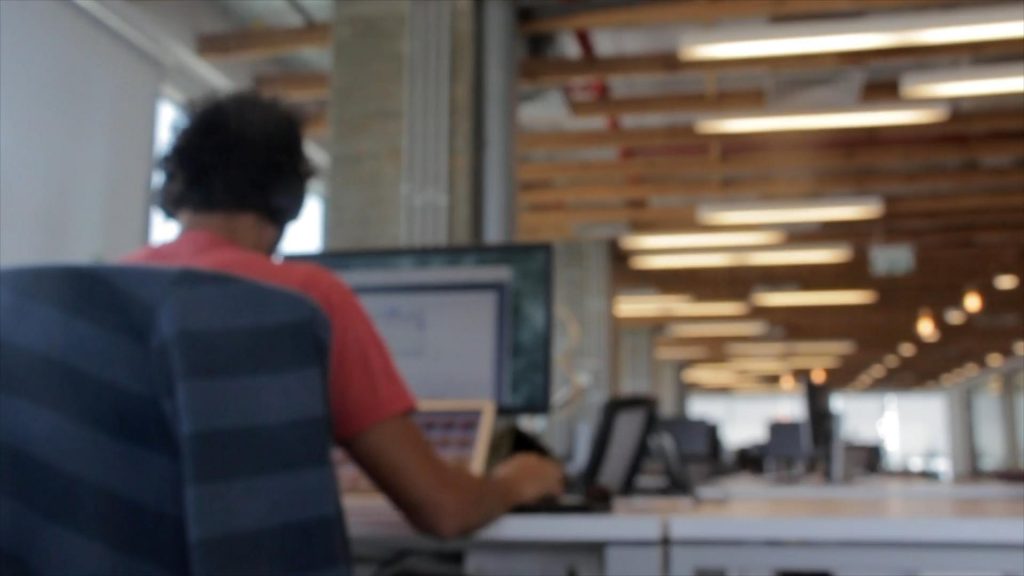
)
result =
(508, 290)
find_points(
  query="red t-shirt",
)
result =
(365, 387)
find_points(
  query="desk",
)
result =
(891, 530)
(844, 536)
(549, 544)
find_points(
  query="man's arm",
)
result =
(438, 498)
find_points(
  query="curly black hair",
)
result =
(239, 153)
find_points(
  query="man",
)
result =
(234, 178)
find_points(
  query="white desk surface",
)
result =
(748, 487)
(371, 518)
(842, 520)
(896, 512)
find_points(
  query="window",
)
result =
(305, 234)
(744, 419)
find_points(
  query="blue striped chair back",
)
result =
(159, 421)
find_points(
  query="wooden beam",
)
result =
(316, 125)
(263, 43)
(964, 125)
(700, 103)
(295, 86)
(550, 71)
(806, 158)
(711, 11)
(780, 187)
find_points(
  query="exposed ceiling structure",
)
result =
(618, 135)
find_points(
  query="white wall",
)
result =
(76, 136)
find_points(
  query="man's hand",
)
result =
(530, 477)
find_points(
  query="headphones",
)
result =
(282, 205)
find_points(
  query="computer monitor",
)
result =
(500, 295)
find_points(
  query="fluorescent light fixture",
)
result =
(972, 302)
(684, 310)
(891, 361)
(925, 325)
(954, 316)
(872, 32)
(793, 255)
(791, 211)
(1006, 282)
(907, 349)
(782, 348)
(964, 82)
(863, 116)
(681, 353)
(761, 363)
(718, 329)
(690, 240)
(787, 381)
(877, 371)
(819, 376)
(797, 298)
(648, 304)
(994, 359)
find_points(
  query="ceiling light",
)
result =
(718, 329)
(702, 240)
(819, 376)
(971, 369)
(1006, 282)
(767, 363)
(648, 304)
(947, 379)
(907, 349)
(954, 316)
(891, 361)
(973, 302)
(681, 353)
(994, 359)
(925, 324)
(963, 82)
(787, 381)
(791, 211)
(796, 255)
(684, 310)
(933, 337)
(863, 116)
(878, 371)
(795, 298)
(874, 32)
(807, 347)
(1018, 347)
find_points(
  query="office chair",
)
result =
(159, 421)
(789, 450)
(695, 447)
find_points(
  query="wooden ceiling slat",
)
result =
(791, 158)
(778, 187)
(987, 123)
(263, 42)
(296, 86)
(702, 103)
(551, 71)
(711, 11)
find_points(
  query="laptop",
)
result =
(618, 449)
(460, 431)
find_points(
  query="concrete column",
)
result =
(402, 117)
(668, 389)
(581, 382)
(636, 363)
